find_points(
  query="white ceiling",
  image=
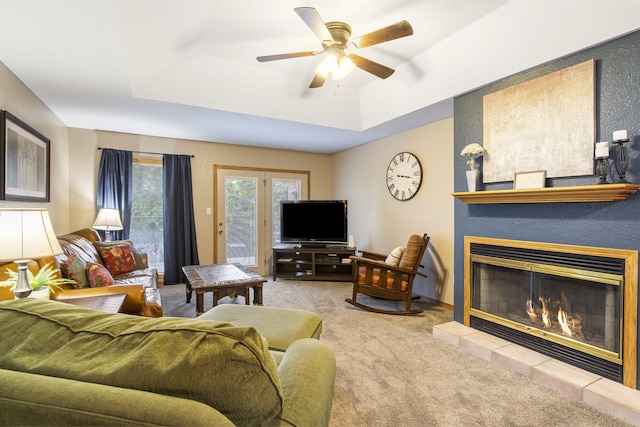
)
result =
(187, 69)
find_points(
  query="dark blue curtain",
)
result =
(115, 187)
(180, 245)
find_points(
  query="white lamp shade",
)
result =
(27, 234)
(107, 220)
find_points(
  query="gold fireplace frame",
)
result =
(629, 297)
(604, 278)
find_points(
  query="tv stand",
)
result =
(318, 262)
(319, 246)
(310, 245)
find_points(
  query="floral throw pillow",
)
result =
(136, 255)
(118, 259)
(98, 275)
(76, 270)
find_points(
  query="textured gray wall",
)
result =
(604, 224)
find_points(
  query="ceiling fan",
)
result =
(335, 41)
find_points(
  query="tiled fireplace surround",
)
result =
(619, 400)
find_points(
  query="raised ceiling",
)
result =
(187, 69)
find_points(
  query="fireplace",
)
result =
(574, 303)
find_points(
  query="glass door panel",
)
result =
(282, 189)
(241, 217)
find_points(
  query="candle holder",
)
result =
(602, 169)
(621, 160)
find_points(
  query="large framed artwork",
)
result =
(547, 123)
(25, 161)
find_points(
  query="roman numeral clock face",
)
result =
(404, 176)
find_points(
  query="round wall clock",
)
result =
(404, 176)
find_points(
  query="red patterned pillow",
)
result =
(98, 275)
(118, 259)
(110, 243)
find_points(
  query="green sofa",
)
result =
(66, 365)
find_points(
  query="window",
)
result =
(146, 216)
(283, 189)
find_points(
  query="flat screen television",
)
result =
(313, 222)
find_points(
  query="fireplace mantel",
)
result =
(583, 193)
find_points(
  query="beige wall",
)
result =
(84, 158)
(379, 222)
(17, 99)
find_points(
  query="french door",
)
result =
(247, 212)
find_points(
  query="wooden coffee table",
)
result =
(223, 280)
(111, 303)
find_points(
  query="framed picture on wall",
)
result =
(24, 162)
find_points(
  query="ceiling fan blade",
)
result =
(392, 32)
(370, 66)
(285, 56)
(312, 18)
(317, 81)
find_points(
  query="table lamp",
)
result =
(26, 234)
(108, 220)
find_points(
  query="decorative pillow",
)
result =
(411, 252)
(394, 256)
(118, 259)
(74, 269)
(98, 275)
(136, 255)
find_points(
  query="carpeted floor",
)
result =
(392, 372)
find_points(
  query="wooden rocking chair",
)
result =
(374, 277)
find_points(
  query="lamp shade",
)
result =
(108, 220)
(27, 234)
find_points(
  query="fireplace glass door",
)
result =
(577, 308)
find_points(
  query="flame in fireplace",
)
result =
(545, 313)
(541, 315)
(562, 320)
(531, 312)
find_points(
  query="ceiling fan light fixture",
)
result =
(345, 67)
(335, 66)
(335, 39)
(328, 65)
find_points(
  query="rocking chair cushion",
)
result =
(394, 256)
(375, 279)
(412, 251)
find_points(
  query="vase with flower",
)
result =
(473, 151)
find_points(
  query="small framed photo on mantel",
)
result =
(24, 161)
(529, 180)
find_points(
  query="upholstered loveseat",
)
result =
(140, 284)
(66, 365)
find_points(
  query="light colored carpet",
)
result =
(392, 372)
